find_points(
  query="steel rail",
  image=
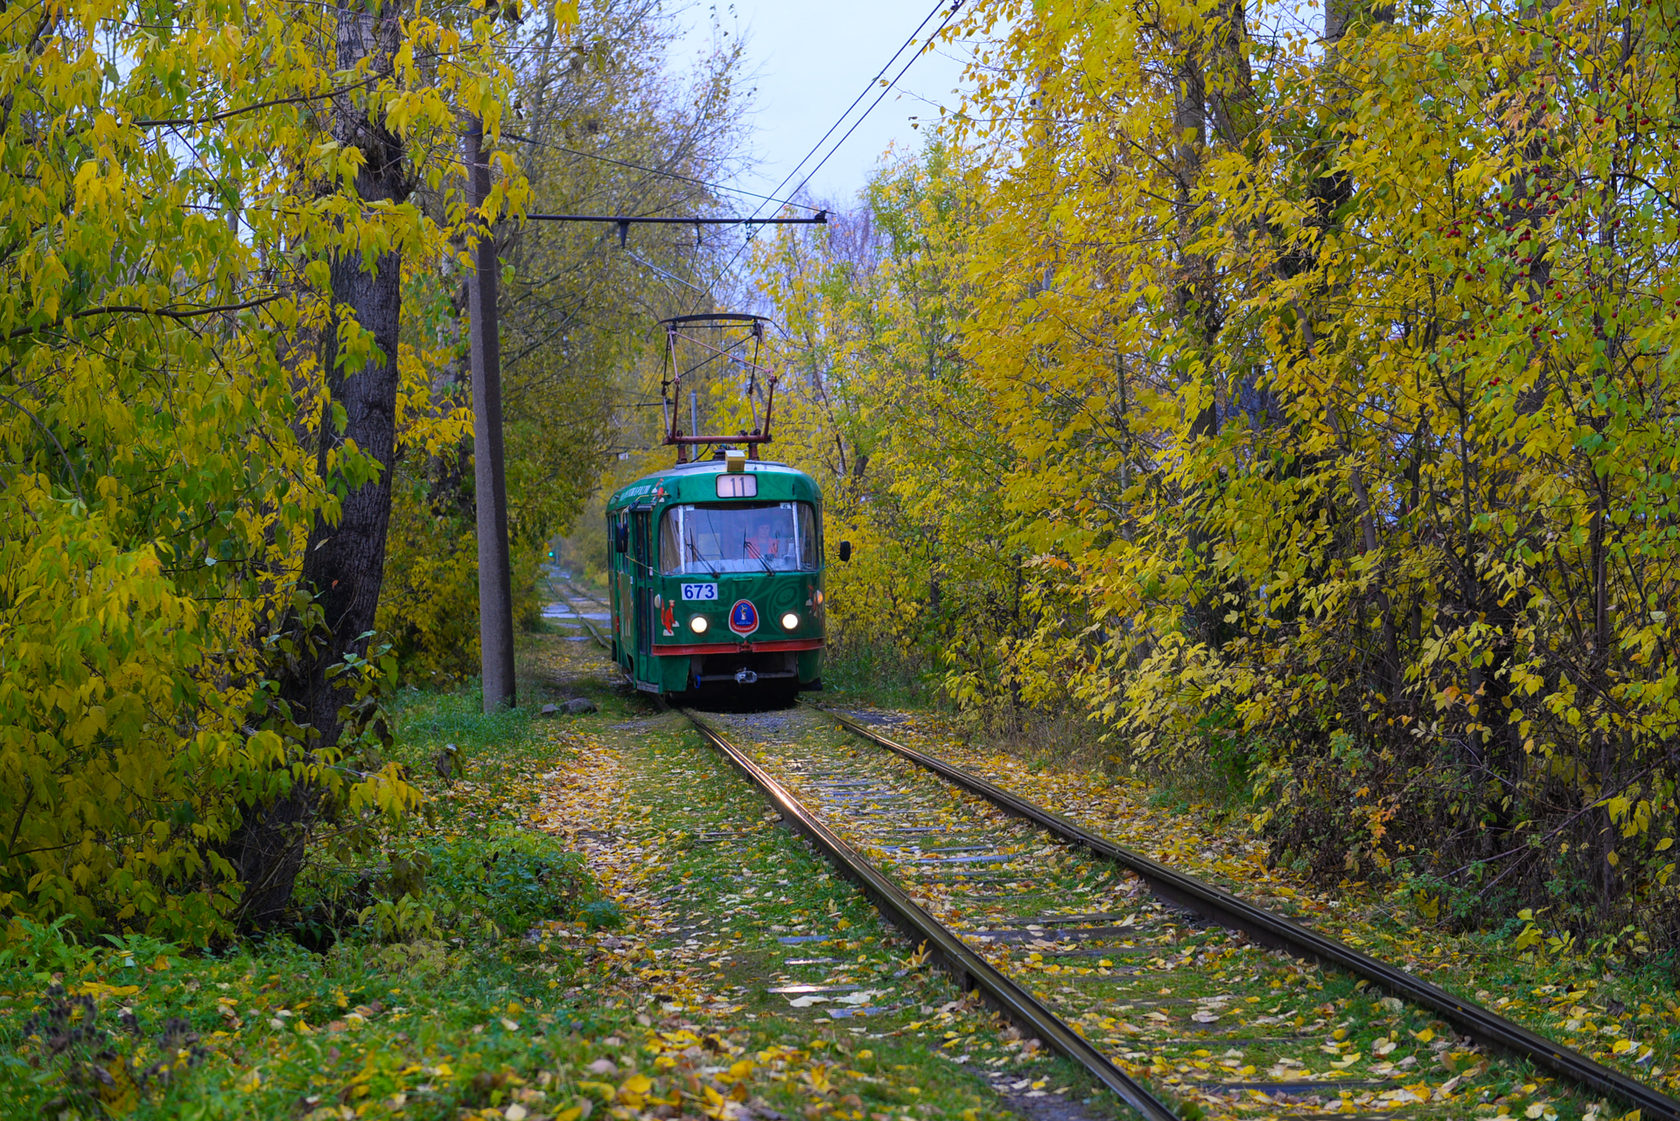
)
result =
(969, 968)
(1276, 931)
(588, 624)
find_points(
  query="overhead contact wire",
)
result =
(950, 15)
(838, 121)
(662, 173)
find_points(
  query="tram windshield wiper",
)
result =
(695, 553)
(751, 550)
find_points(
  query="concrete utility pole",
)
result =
(495, 590)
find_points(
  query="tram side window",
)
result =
(807, 537)
(670, 540)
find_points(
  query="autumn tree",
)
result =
(207, 231)
(1422, 251)
(1333, 359)
(882, 409)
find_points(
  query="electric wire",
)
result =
(838, 121)
(752, 232)
(655, 171)
(878, 98)
(772, 197)
(657, 271)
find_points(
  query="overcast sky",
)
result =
(807, 62)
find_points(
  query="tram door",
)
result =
(641, 564)
(623, 584)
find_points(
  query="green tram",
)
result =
(717, 578)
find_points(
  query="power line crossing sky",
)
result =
(808, 62)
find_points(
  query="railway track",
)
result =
(581, 608)
(1180, 998)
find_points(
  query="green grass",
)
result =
(426, 721)
(469, 965)
(393, 995)
(883, 674)
(416, 1027)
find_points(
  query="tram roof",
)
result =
(799, 483)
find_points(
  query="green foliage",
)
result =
(103, 1065)
(429, 719)
(506, 884)
(173, 200)
(119, 646)
(429, 604)
(885, 672)
(483, 888)
(137, 1029)
(601, 914)
(39, 950)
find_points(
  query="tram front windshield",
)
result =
(709, 540)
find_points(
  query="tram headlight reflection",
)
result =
(698, 624)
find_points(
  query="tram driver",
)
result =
(764, 543)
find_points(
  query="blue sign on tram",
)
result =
(743, 617)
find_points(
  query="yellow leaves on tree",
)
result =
(1334, 364)
(170, 202)
(878, 403)
(105, 639)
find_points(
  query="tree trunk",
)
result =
(343, 563)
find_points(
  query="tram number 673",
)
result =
(692, 592)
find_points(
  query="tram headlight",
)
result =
(789, 621)
(698, 624)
